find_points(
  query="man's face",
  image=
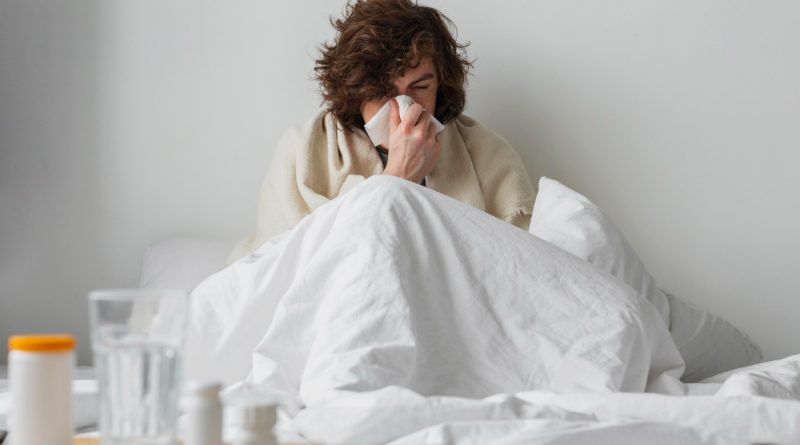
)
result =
(421, 83)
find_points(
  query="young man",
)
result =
(386, 48)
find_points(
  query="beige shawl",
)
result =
(321, 160)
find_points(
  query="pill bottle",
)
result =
(40, 380)
(252, 424)
(203, 409)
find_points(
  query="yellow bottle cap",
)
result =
(41, 342)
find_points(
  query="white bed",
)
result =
(354, 367)
(354, 404)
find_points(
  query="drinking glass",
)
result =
(137, 337)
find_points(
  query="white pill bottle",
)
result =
(252, 424)
(40, 380)
(203, 408)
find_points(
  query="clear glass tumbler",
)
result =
(137, 338)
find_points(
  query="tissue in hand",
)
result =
(378, 127)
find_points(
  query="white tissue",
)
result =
(378, 127)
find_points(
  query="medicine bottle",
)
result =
(40, 380)
(253, 424)
(203, 409)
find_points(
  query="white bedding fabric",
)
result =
(708, 343)
(395, 284)
(395, 313)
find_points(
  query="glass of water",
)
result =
(137, 337)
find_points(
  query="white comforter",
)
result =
(397, 313)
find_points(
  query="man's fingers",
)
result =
(413, 114)
(431, 128)
(424, 119)
(394, 113)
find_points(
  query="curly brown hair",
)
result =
(377, 41)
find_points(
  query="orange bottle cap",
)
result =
(41, 342)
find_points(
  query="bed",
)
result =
(455, 338)
(338, 375)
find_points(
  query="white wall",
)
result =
(123, 122)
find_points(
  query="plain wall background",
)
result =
(123, 123)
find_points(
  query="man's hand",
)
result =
(414, 147)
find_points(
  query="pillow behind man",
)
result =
(708, 343)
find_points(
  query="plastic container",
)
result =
(203, 408)
(252, 424)
(40, 379)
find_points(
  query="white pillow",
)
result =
(568, 220)
(709, 344)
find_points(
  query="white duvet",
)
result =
(395, 313)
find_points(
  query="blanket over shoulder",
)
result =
(320, 160)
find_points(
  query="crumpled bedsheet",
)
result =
(395, 313)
